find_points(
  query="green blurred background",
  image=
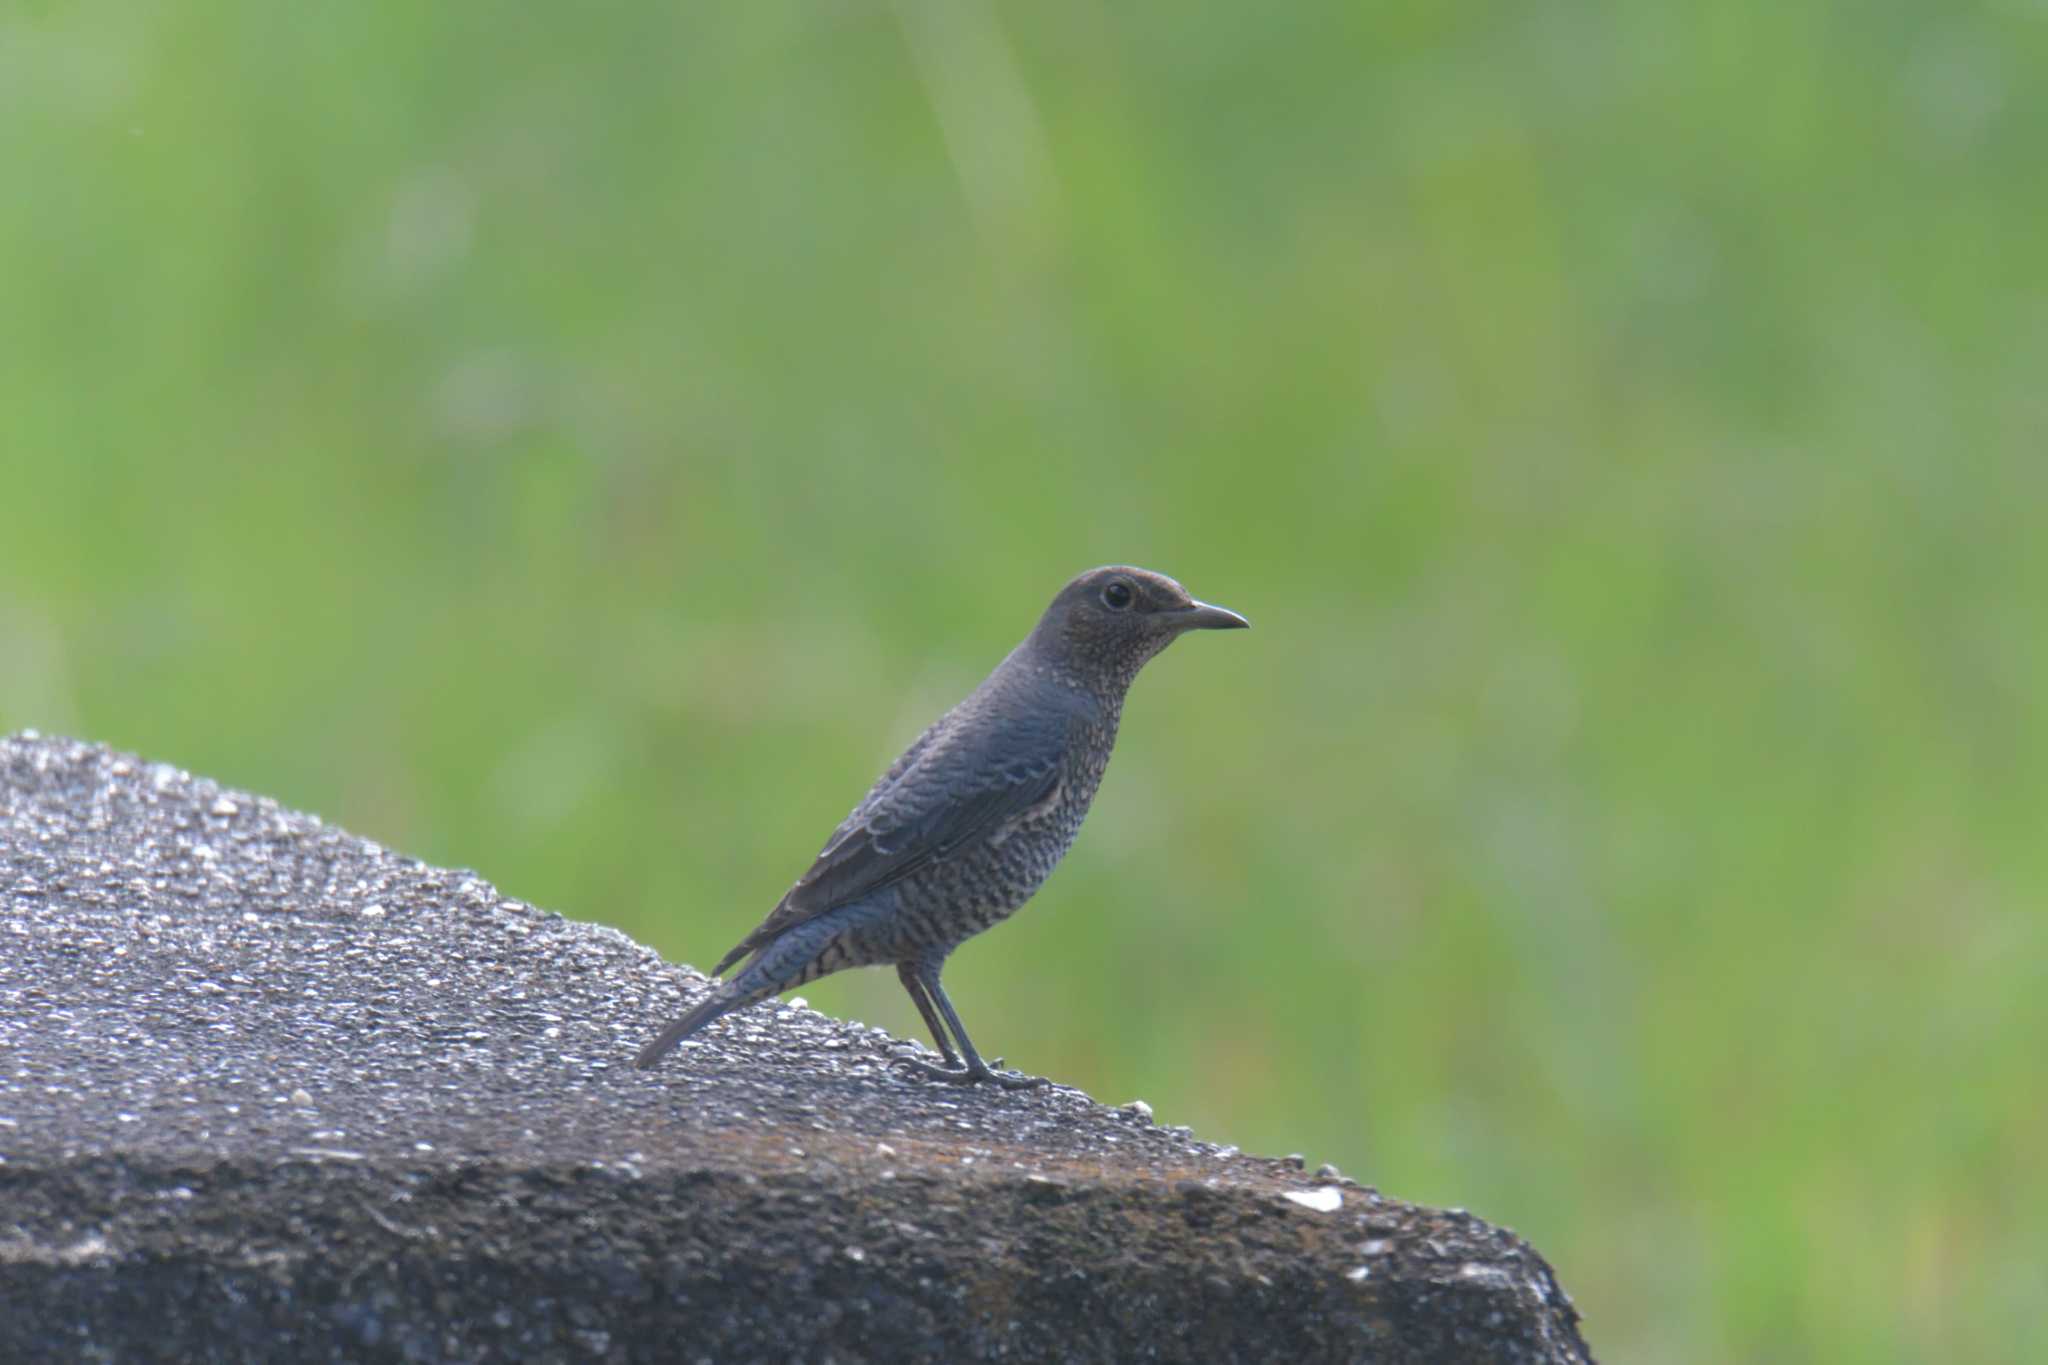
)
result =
(584, 445)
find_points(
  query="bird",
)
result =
(969, 821)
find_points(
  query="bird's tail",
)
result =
(790, 959)
(723, 998)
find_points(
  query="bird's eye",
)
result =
(1117, 595)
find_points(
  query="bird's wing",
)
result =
(950, 789)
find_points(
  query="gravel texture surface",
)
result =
(269, 1091)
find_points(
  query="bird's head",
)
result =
(1108, 622)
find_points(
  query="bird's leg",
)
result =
(975, 1069)
(906, 972)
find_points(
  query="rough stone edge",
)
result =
(346, 1260)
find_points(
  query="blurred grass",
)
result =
(584, 445)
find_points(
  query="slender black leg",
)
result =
(906, 972)
(975, 1069)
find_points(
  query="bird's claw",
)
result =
(971, 1075)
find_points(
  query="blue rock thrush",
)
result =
(965, 826)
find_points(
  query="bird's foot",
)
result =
(973, 1074)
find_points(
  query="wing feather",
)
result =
(951, 788)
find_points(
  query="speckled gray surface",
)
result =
(268, 1091)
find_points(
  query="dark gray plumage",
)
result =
(977, 812)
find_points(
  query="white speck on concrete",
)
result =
(1322, 1199)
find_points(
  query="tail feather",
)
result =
(721, 1000)
(794, 956)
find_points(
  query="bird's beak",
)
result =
(1202, 616)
